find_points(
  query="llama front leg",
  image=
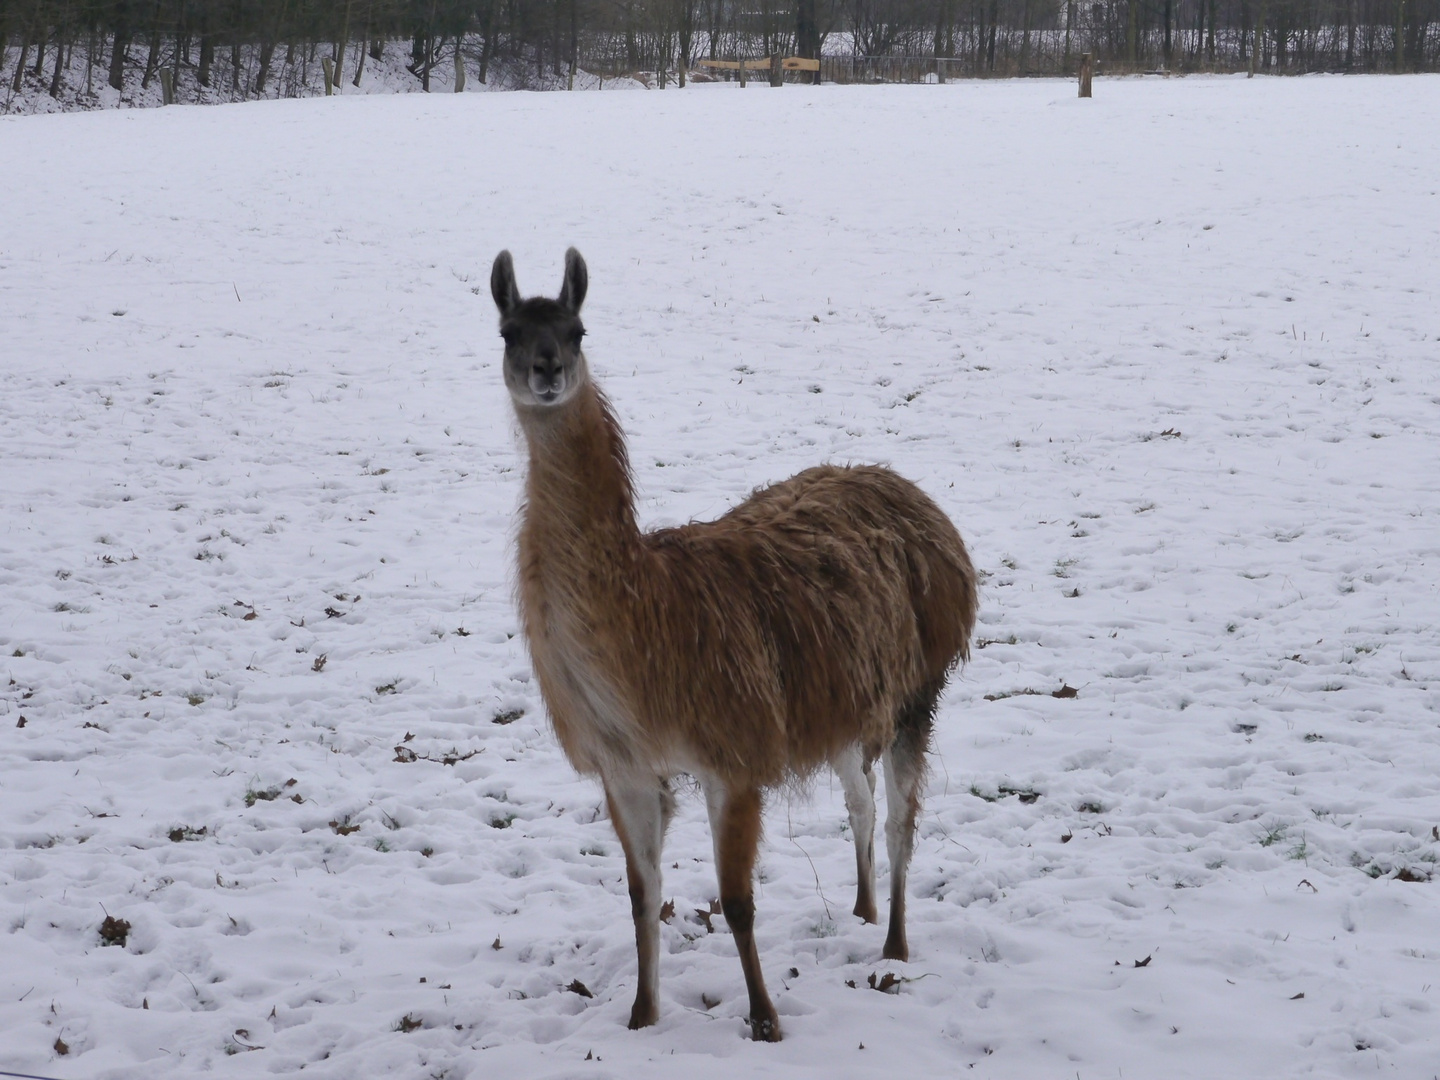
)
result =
(858, 780)
(735, 829)
(640, 810)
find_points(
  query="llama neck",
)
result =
(579, 504)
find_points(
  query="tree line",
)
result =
(252, 48)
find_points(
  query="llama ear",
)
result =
(502, 284)
(577, 280)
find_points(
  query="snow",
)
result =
(1166, 356)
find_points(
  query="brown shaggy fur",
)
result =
(822, 614)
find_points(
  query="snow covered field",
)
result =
(1168, 357)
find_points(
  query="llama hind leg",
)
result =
(735, 828)
(640, 810)
(858, 780)
(904, 779)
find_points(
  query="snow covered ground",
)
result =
(1168, 357)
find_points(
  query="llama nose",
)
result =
(547, 377)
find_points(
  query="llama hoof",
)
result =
(643, 1015)
(896, 951)
(765, 1028)
(867, 913)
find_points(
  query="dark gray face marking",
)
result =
(542, 351)
(544, 365)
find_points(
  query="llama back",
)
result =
(813, 612)
(883, 510)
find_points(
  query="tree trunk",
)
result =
(487, 48)
(686, 24)
(807, 29)
(557, 51)
(1025, 38)
(1069, 22)
(207, 57)
(943, 38)
(152, 58)
(19, 80)
(117, 56)
(632, 52)
(1257, 42)
(979, 13)
(267, 53)
(1350, 35)
(943, 17)
(421, 50)
(1399, 35)
(990, 49)
(340, 50)
(56, 79)
(360, 59)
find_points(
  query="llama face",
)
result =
(544, 366)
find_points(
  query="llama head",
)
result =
(544, 366)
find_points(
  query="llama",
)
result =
(814, 624)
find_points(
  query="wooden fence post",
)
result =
(742, 71)
(459, 71)
(1086, 71)
(775, 79)
(328, 66)
(167, 86)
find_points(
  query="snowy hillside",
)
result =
(1168, 357)
(83, 85)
